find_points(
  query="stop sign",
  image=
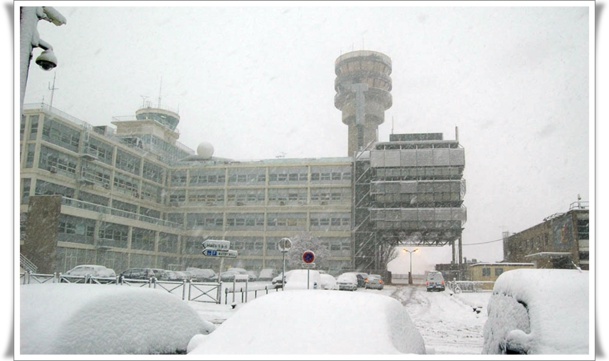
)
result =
(308, 257)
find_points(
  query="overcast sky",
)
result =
(257, 81)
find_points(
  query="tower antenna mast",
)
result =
(160, 90)
(52, 89)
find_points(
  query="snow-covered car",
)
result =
(302, 279)
(434, 281)
(360, 277)
(538, 311)
(138, 274)
(267, 274)
(169, 275)
(91, 270)
(202, 274)
(277, 281)
(252, 276)
(347, 281)
(314, 323)
(229, 275)
(241, 277)
(374, 282)
(65, 318)
(328, 282)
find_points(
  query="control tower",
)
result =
(363, 86)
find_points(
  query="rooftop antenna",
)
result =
(160, 90)
(144, 97)
(52, 89)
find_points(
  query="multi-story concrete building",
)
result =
(560, 241)
(133, 196)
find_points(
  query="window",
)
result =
(486, 272)
(498, 271)
(583, 229)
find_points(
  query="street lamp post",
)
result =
(410, 272)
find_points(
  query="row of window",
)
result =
(486, 271)
(413, 173)
(78, 230)
(242, 196)
(297, 221)
(180, 178)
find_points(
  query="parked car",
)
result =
(76, 319)
(314, 323)
(302, 279)
(374, 281)
(202, 274)
(229, 275)
(253, 276)
(434, 281)
(169, 275)
(361, 278)
(277, 280)
(328, 282)
(538, 311)
(347, 281)
(138, 274)
(267, 274)
(158, 272)
(91, 270)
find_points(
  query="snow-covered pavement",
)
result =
(448, 322)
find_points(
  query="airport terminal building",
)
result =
(130, 195)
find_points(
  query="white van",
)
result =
(434, 281)
(297, 280)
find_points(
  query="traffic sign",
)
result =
(308, 257)
(210, 252)
(220, 253)
(284, 244)
(216, 244)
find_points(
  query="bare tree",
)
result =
(307, 242)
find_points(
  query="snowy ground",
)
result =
(446, 321)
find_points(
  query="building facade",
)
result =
(133, 196)
(560, 241)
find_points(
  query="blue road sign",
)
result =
(210, 252)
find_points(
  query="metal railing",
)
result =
(186, 289)
(71, 202)
(470, 286)
(27, 264)
(245, 291)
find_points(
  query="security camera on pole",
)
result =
(30, 39)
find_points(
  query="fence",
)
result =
(245, 292)
(210, 292)
(470, 286)
(186, 289)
